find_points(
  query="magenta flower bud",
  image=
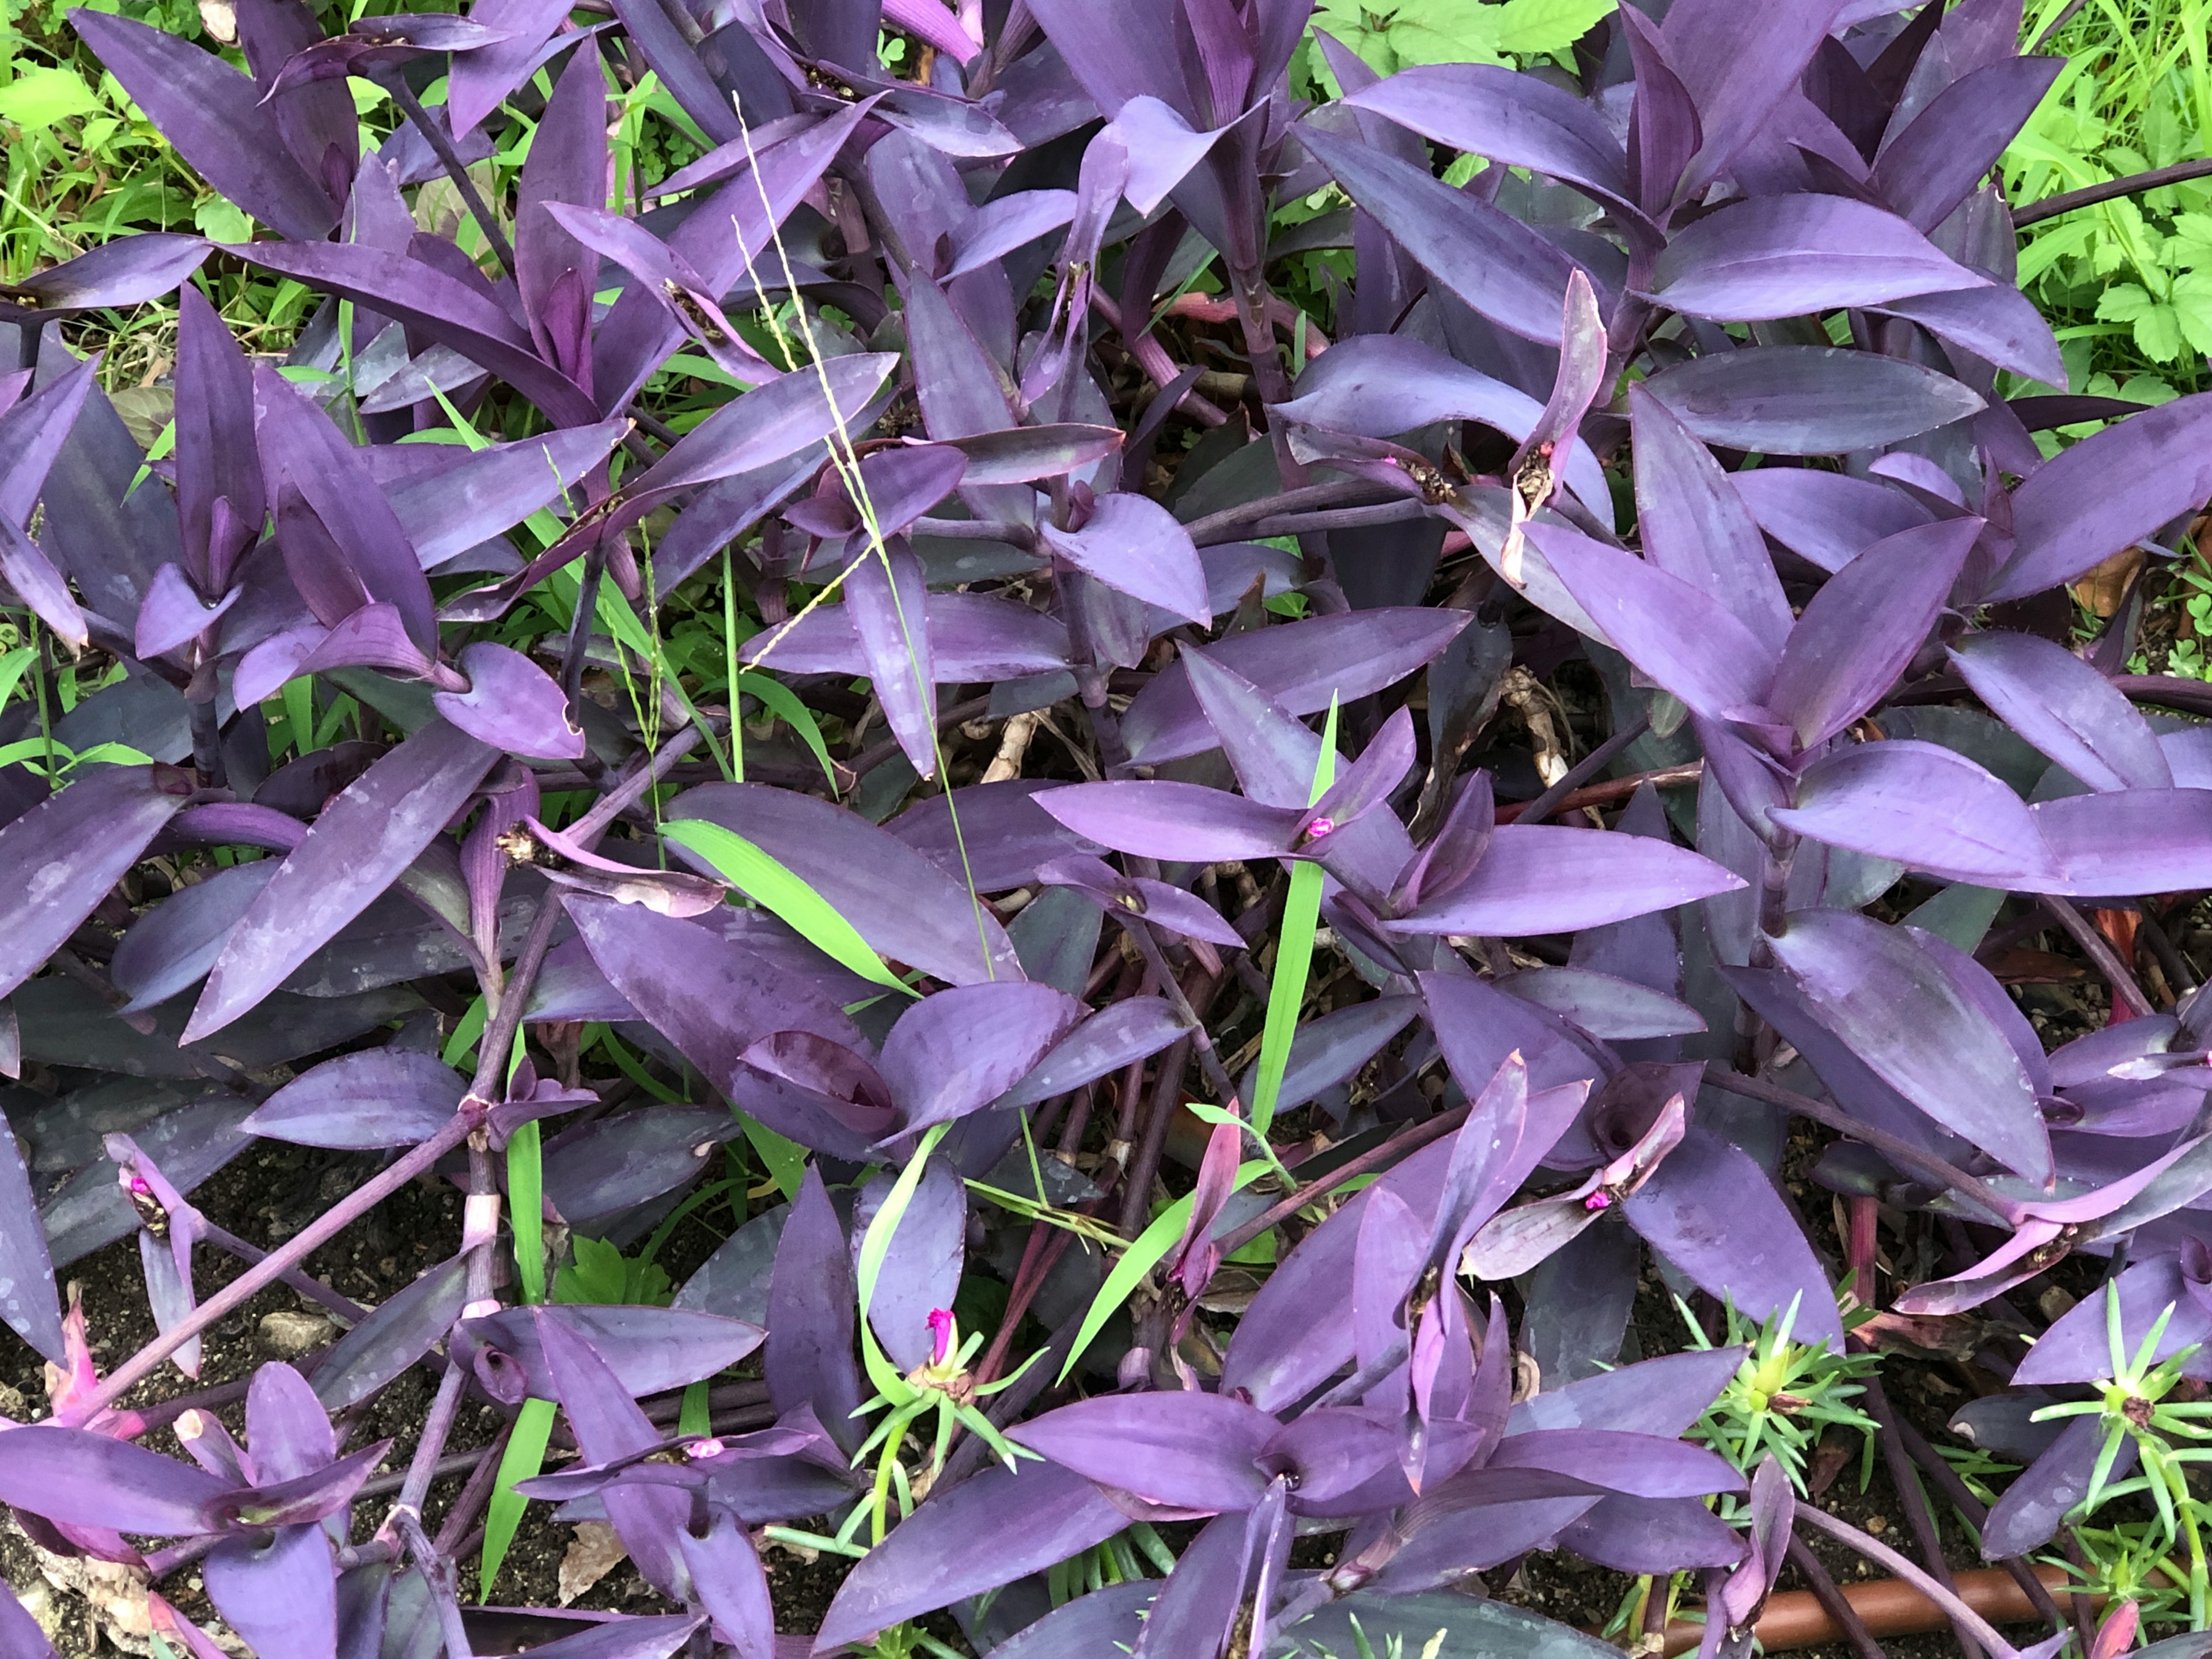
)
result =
(1321, 827)
(1600, 1199)
(708, 1448)
(940, 1330)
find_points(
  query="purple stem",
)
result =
(1963, 1617)
(438, 1573)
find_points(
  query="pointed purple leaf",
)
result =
(2127, 842)
(1826, 517)
(808, 1358)
(1925, 171)
(1813, 400)
(360, 844)
(956, 1052)
(280, 1596)
(81, 1479)
(1135, 546)
(1516, 119)
(377, 1097)
(1694, 526)
(1186, 1450)
(1787, 256)
(1101, 1045)
(2065, 708)
(928, 1251)
(727, 1580)
(1182, 822)
(1930, 808)
(399, 1332)
(512, 704)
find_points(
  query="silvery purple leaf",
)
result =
(1163, 905)
(1494, 262)
(212, 114)
(21, 1634)
(364, 838)
(728, 1582)
(1737, 68)
(607, 1167)
(60, 858)
(884, 599)
(2076, 1348)
(1005, 836)
(1639, 1465)
(1917, 1032)
(1858, 633)
(922, 1273)
(34, 432)
(2105, 492)
(478, 81)
(1184, 822)
(1135, 546)
(1716, 1216)
(814, 1092)
(1617, 1010)
(2030, 1510)
(1203, 1597)
(399, 1332)
(1653, 1535)
(128, 271)
(1300, 665)
(1516, 119)
(1930, 808)
(1788, 256)
(81, 1479)
(902, 904)
(27, 1276)
(634, 1636)
(1935, 163)
(568, 163)
(1812, 400)
(280, 1596)
(986, 1532)
(959, 1050)
(1112, 1619)
(808, 1358)
(1189, 1451)
(512, 704)
(1684, 639)
(1828, 517)
(27, 570)
(608, 1425)
(646, 1350)
(1693, 525)
(2065, 708)
(972, 636)
(174, 614)
(1998, 323)
(999, 227)
(447, 511)
(1029, 453)
(2128, 841)
(1114, 1037)
(375, 1098)
(1548, 878)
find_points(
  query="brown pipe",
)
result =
(1889, 1607)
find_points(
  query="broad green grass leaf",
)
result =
(525, 1193)
(522, 1460)
(764, 879)
(1286, 992)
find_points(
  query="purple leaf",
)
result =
(33, 433)
(1107, 1620)
(634, 1636)
(479, 81)
(280, 1596)
(1185, 1449)
(1518, 120)
(1614, 1009)
(1183, 822)
(1664, 132)
(60, 859)
(1653, 1535)
(728, 1582)
(1812, 400)
(1930, 808)
(1826, 517)
(360, 844)
(708, 996)
(2105, 492)
(1300, 665)
(2065, 708)
(885, 599)
(608, 1425)
(1025, 454)
(1120, 53)
(1005, 834)
(1639, 1465)
(972, 636)
(27, 1276)
(646, 1350)
(31, 573)
(2031, 1508)
(173, 613)
(399, 1332)
(443, 307)
(376, 1098)
(999, 227)
(986, 1532)
(1716, 1216)
(1787, 256)
(955, 1052)
(1377, 385)
(1858, 633)
(808, 1360)
(903, 905)
(214, 118)
(1163, 905)
(448, 510)
(1135, 546)
(20, 1634)
(129, 272)
(512, 704)
(2128, 842)
(1694, 525)
(1496, 266)
(1998, 323)
(1916, 1031)
(614, 1164)
(568, 163)
(1681, 637)
(2076, 1348)
(85, 1479)
(1925, 171)
(1736, 66)
(922, 1274)
(1112, 1038)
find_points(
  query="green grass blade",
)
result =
(763, 879)
(876, 1246)
(1150, 1249)
(1286, 992)
(524, 1457)
(783, 702)
(784, 1160)
(525, 1193)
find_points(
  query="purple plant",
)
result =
(1737, 281)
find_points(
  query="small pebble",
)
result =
(288, 1335)
(1877, 1524)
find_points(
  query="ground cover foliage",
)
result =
(1207, 733)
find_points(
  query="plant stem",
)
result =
(1148, 946)
(1941, 1595)
(1914, 1498)
(2099, 949)
(295, 1249)
(441, 146)
(1947, 1482)
(438, 1573)
(343, 1306)
(1581, 772)
(1395, 1149)
(2089, 194)
(1841, 1612)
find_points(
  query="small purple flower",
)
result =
(1600, 1199)
(941, 1328)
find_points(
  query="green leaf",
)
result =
(525, 1194)
(763, 879)
(1286, 992)
(524, 1457)
(1149, 1249)
(784, 1160)
(39, 98)
(783, 702)
(220, 221)
(1541, 28)
(875, 1246)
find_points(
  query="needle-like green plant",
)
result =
(1784, 1396)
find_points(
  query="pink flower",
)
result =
(941, 1328)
